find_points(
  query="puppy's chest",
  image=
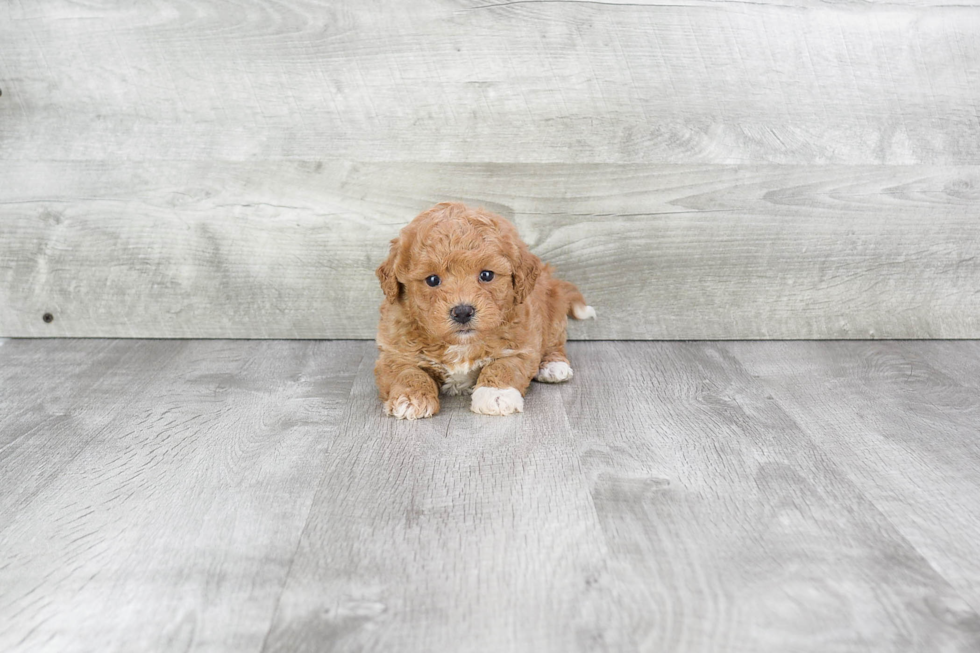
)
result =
(458, 375)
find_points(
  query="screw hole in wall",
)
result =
(48, 318)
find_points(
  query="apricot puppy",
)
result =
(468, 308)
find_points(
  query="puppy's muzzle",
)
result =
(462, 313)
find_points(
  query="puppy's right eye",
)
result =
(433, 280)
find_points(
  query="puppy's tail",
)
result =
(575, 302)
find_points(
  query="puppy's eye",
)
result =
(433, 280)
(486, 275)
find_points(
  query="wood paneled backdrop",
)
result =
(703, 169)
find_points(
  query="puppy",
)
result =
(468, 308)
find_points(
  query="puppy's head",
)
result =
(458, 272)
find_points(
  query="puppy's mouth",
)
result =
(464, 331)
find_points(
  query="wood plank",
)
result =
(728, 529)
(288, 249)
(954, 360)
(161, 487)
(458, 533)
(528, 81)
(43, 387)
(154, 495)
(903, 430)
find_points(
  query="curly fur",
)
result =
(516, 334)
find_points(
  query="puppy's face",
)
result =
(455, 294)
(458, 272)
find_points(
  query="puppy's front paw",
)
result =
(497, 401)
(554, 372)
(411, 406)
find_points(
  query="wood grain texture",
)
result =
(723, 169)
(470, 80)
(729, 529)
(152, 493)
(904, 430)
(288, 249)
(956, 363)
(458, 533)
(683, 497)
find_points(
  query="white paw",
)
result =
(405, 407)
(583, 312)
(554, 372)
(497, 401)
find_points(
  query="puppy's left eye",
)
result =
(486, 275)
(433, 280)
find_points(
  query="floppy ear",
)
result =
(527, 267)
(386, 274)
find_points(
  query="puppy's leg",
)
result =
(501, 386)
(554, 367)
(568, 301)
(408, 392)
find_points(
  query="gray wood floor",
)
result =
(250, 496)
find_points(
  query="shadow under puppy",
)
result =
(468, 308)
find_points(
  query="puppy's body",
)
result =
(468, 333)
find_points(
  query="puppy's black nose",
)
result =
(462, 313)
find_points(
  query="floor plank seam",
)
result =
(346, 422)
(848, 475)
